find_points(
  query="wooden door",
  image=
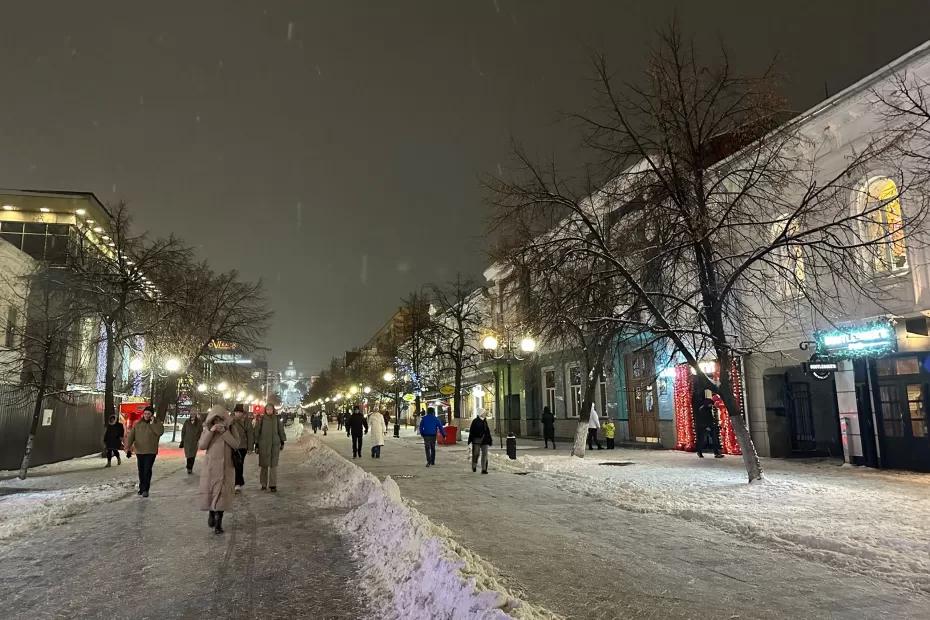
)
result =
(642, 402)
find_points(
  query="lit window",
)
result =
(885, 222)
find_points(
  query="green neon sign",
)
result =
(864, 340)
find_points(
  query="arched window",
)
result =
(885, 225)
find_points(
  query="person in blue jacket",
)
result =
(429, 426)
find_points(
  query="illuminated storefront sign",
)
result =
(871, 339)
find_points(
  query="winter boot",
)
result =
(211, 520)
(118, 462)
(219, 522)
(273, 489)
(109, 464)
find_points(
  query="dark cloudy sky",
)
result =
(333, 148)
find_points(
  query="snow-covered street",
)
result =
(669, 536)
(281, 555)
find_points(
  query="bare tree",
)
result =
(115, 268)
(455, 330)
(415, 353)
(740, 225)
(39, 346)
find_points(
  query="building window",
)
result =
(892, 411)
(9, 335)
(549, 388)
(885, 226)
(915, 407)
(574, 390)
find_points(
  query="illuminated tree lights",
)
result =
(684, 412)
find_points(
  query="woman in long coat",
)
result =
(269, 440)
(376, 432)
(219, 439)
(190, 435)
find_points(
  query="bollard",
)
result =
(512, 446)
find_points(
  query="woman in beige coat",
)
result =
(219, 439)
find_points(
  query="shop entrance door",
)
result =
(799, 416)
(903, 424)
(640, 396)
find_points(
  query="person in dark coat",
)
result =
(706, 429)
(480, 437)
(548, 422)
(113, 440)
(355, 425)
(190, 435)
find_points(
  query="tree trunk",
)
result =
(581, 433)
(738, 420)
(33, 428)
(457, 396)
(109, 399)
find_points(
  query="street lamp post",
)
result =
(509, 353)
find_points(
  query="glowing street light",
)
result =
(227, 395)
(489, 343)
(202, 388)
(353, 390)
(172, 364)
(222, 386)
(240, 395)
(528, 345)
(388, 377)
(367, 389)
(136, 364)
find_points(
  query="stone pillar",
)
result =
(848, 409)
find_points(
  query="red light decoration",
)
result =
(684, 415)
(684, 412)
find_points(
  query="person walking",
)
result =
(269, 441)
(190, 435)
(220, 439)
(245, 433)
(144, 437)
(339, 421)
(324, 423)
(706, 428)
(376, 427)
(113, 440)
(594, 423)
(429, 427)
(354, 425)
(548, 422)
(480, 437)
(346, 424)
(610, 431)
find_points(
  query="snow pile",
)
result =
(862, 521)
(33, 509)
(412, 568)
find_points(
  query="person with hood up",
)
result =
(706, 427)
(429, 427)
(354, 425)
(376, 426)
(480, 437)
(113, 440)
(324, 423)
(548, 422)
(245, 432)
(269, 441)
(594, 423)
(144, 437)
(219, 439)
(190, 435)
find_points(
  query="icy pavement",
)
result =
(281, 555)
(604, 542)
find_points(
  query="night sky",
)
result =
(334, 149)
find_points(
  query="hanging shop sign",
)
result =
(821, 369)
(865, 340)
(409, 398)
(447, 390)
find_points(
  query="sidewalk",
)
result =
(566, 548)
(155, 558)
